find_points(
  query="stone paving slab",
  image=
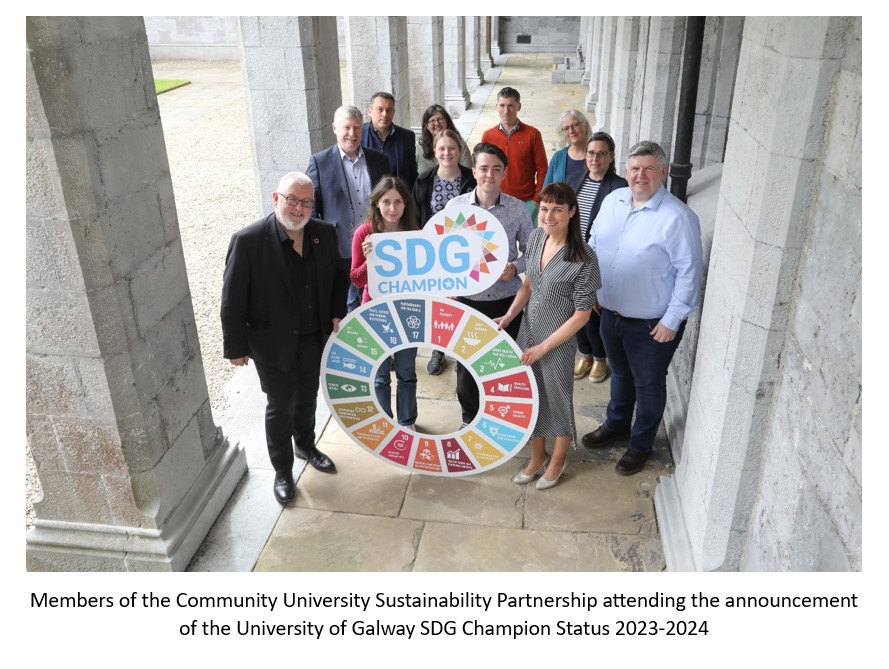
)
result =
(619, 552)
(311, 540)
(489, 499)
(361, 484)
(592, 497)
(446, 547)
(236, 540)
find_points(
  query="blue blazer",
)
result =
(405, 142)
(332, 200)
(611, 182)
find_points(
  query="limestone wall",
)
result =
(210, 37)
(768, 446)
(807, 515)
(548, 33)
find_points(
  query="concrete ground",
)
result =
(371, 516)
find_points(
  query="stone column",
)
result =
(474, 77)
(594, 63)
(495, 36)
(378, 61)
(657, 92)
(770, 463)
(425, 36)
(606, 75)
(585, 23)
(624, 72)
(292, 76)
(719, 64)
(486, 60)
(587, 40)
(456, 95)
(133, 471)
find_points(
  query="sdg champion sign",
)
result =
(398, 319)
(461, 251)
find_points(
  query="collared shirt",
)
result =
(358, 179)
(650, 257)
(506, 132)
(384, 145)
(304, 279)
(516, 221)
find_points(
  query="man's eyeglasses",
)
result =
(293, 201)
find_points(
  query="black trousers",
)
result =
(467, 388)
(291, 398)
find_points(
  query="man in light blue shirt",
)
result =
(648, 244)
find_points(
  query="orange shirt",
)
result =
(526, 160)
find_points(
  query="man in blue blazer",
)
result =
(399, 144)
(344, 176)
(283, 294)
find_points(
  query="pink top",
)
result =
(358, 273)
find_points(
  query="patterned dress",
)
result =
(556, 293)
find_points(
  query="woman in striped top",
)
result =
(557, 296)
(591, 187)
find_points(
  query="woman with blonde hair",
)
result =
(574, 131)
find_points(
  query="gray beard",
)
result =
(292, 227)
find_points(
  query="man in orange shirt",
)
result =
(524, 150)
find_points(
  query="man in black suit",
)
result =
(381, 134)
(344, 176)
(283, 293)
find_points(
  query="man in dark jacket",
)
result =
(381, 134)
(283, 294)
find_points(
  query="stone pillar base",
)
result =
(456, 103)
(54, 545)
(671, 526)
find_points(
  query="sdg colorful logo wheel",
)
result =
(374, 331)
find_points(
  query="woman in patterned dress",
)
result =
(562, 277)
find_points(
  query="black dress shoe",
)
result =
(433, 368)
(602, 436)
(317, 459)
(632, 462)
(285, 490)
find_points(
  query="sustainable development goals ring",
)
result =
(508, 401)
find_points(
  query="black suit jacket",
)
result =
(332, 200)
(611, 182)
(258, 303)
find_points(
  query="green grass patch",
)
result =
(164, 85)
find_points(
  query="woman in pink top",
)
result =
(391, 210)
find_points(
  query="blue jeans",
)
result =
(405, 389)
(589, 340)
(353, 298)
(638, 376)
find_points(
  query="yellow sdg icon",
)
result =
(383, 326)
(461, 251)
